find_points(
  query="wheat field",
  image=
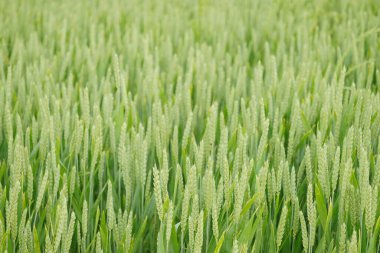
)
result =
(189, 126)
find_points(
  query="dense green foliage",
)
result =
(189, 126)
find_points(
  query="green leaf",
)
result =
(375, 237)
(160, 241)
(328, 220)
(220, 243)
(36, 242)
(139, 236)
(248, 204)
(174, 240)
(321, 206)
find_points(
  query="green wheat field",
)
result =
(189, 126)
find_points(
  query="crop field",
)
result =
(189, 126)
